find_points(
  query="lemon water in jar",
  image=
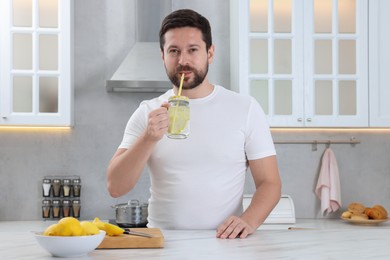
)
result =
(179, 117)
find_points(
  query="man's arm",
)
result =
(126, 165)
(268, 190)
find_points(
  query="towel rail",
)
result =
(352, 141)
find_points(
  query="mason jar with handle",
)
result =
(179, 117)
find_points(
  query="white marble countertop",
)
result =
(311, 239)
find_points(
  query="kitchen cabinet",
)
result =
(304, 61)
(379, 62)
(35, 63)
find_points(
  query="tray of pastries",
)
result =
(358, 213)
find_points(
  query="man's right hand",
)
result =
(158, 121)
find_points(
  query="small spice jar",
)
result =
(66, 188)
(76, 207)
(56, 207)
(56, 187)
(76, 187)
(46, 187)
(46, 209)
(66, 205)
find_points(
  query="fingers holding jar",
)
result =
(158, 123)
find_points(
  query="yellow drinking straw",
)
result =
(177, 103)
(181, 85)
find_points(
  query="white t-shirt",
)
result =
(196, 183)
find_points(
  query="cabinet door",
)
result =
(267, 58)
(335, 61)
(35, 82)
(379, 63)
(304, 61)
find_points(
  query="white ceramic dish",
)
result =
(73, 246)
(365, 221)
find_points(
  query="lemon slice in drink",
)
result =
(178, 118)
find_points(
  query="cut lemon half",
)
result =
(178, 119)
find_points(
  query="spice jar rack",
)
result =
(61, 197)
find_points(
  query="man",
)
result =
(198, 182)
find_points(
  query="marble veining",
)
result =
(311, 239)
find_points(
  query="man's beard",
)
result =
(199, 76)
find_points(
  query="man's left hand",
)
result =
(234, 227)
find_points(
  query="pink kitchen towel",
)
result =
(328, 185)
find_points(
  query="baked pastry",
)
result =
(373, 213)
(356, 208)
(359, 216)
(382, 210)
(346, 214)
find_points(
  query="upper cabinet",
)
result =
(306, 62)
(379, 42)
(35, 63)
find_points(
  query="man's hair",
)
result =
(186, 18)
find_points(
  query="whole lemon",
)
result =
(89, 228)
(52, 230)
(57, 229)
(73, 224)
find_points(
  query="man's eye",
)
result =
(173, 51)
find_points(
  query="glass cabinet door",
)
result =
(274, 43)
(304, 61)
(337, 67)
(36, 68)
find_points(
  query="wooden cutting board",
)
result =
(131, 241)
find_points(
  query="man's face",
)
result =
(185, 52)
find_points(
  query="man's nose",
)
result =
(184, 58)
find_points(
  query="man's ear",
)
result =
(210, 54)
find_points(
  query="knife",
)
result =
(134, 233)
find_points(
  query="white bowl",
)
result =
(72, 246)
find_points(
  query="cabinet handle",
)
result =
(308, 120)
(299, 119)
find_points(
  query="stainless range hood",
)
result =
(142, 70)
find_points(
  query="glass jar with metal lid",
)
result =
(76, 208)
(46, 187)
(179, 117)
(76, 187)
(56, 187)
(66, 185)
(46, 208)
(66, 208)
(56, 207)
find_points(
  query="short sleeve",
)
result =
(258, 142)
(135, 127)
